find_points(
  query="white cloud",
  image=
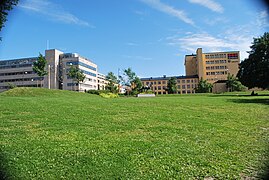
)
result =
(263, 19)
(210, 4)
(229, 41)
(216, 20)
(53, 11)
(180, 14)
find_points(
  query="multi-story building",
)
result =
(185, 84)
(208, 66)
(102, 82)
(212, 66)
(19, 72)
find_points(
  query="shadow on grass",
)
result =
(251, 101)
(236, 95)
(4, 172)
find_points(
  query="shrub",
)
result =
(109, 95)
(147, 92)
(97, 92)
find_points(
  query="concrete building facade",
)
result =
(19, 72)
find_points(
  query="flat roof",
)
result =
(168, 77)
(222, 52)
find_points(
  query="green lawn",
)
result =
(51, 134)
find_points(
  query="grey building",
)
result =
(19, 72)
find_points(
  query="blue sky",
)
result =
(150, 36)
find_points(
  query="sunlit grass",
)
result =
(52, 134)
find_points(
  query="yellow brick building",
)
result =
(185, 84)
(212, 66)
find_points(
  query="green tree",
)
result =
(76, 74)
(233, 84)
(112, 82)
(39, 67)
(132, 80)
(172, 85)
(5, 6)
(254, 70)
(204, 87)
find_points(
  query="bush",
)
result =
(109, 95)
(11, 85)
(97, 92)
(147, 92)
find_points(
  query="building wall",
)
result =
(212, 66)
(89, 69)
(219, 88)
(51, 80)
(219, 65)
(101, 81)
(185, 84)
(191, 66)
(18, 72)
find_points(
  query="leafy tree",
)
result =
(254, 70)
(204, 87)
(112, 82)
(234, 84)
(76, 74)
(39, 66)
(132, 80)
(5, 6)
(172, 85)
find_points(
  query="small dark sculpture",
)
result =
(254, 94)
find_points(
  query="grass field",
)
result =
(52, 134)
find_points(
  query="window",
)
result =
(72, 84)
(233, 56)
(164, 82)
(183, 87)
(178, 86)
(183, 81)
(159, 87)
(188, 86)
(188, 81)
(178, 81)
